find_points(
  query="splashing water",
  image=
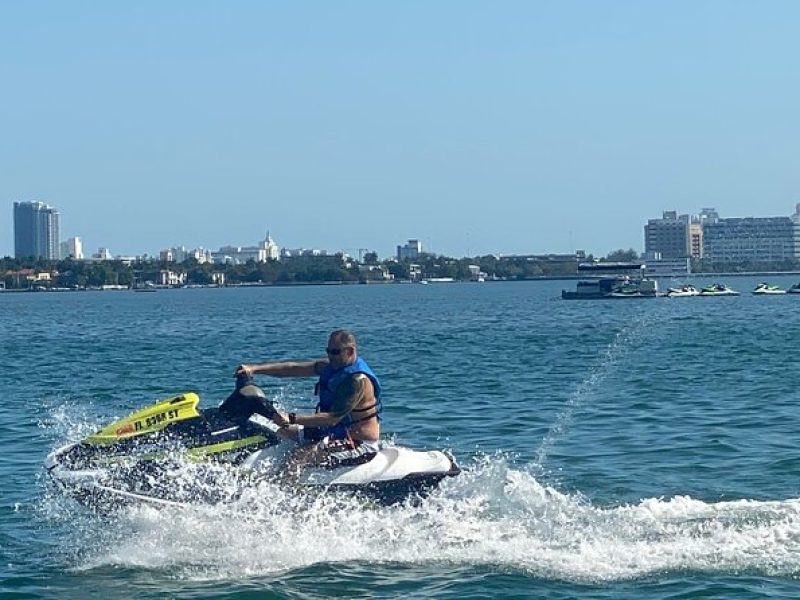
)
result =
(493, 514)
(634, 332)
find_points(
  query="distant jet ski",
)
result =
(174, 453)
(718, 289)
(764, 289)
(683, 291)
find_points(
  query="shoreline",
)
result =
(686, 277)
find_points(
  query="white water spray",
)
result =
(491, 516)
(623, 341)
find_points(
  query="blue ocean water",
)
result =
(611, 449)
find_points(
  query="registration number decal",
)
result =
(167, 415)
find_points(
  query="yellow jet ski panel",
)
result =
(147, 420)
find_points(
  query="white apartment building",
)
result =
(658, 266)
(295, 252)
(180, 254)
(72, 248)
(171, 278)
(266, 250)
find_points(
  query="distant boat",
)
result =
(612, 280)
(795, 289)
(612, 287)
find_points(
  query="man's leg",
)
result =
(330, 453)
(247, 399)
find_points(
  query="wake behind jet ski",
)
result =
(175, 453)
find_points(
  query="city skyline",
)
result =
(693, 243)
(504, 128)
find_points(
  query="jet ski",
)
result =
(718, 289)
(683, 291)
(764, 289)
(175, 453)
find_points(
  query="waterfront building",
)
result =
(658, 266)
(374, 273)
(669, 235)
(475, 273)
(709, 215)
(36, 231)
(180, 254)
(174, 254)
(266, 250)
(234, 255)
(295, 252)
(201, 255)
(796, 216)
(750, 240)
(171, 278)
(415, 272)
(72, 248)
(103, 254)
(271, 250)
(570, 261)
(411, 251)
(695, 238)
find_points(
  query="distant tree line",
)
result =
(69, 273)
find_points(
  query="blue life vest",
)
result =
(329, 381)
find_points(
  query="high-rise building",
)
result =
(411, 251)
(750, 240)
(696, 238)
(35, 231)
(709, 215)
(668, 236)
(72, 248)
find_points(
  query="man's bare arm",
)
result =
(305, 368)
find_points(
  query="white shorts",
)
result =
(347, 452)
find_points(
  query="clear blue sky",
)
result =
(476, 127)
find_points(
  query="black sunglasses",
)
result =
(335, 351)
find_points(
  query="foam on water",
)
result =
(492, 514)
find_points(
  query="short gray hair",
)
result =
(343, 337)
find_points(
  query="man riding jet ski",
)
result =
(175, 453)
(346, 426)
